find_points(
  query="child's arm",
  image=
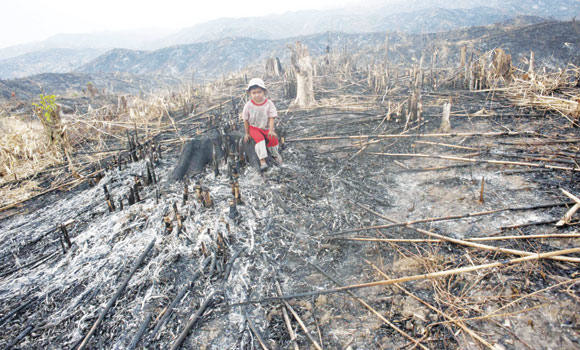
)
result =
(247, 131)
(271, 131)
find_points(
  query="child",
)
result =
(258, 115)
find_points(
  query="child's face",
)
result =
(257, 94)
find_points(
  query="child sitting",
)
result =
(258, 115)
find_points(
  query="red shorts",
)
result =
(262, 134)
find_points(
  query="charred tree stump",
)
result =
(110, 203)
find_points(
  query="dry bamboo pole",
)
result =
(462, 159)
(540, 143)
(370, 308)
(432, 275)
(471, 244)
(451, 217)
(448, 145)
(439, 312)
(395, 136)
(116, 296)
(568, 216)
(474, 239)
(298, 319)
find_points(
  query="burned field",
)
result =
(384, 228)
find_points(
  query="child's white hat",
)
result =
(256, 82)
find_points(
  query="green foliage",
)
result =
(46, 106)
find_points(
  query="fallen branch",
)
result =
(287, 321)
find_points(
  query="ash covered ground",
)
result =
(292, 223)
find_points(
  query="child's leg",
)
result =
(261, 150)
(258, 136)
(275, 154)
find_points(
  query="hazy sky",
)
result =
(33, 20)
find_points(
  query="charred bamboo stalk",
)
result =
(141, 331)
(207, 201)
(187, 287)
(20, 336)
(192, 320)
(108, 199)
(65, 235)
(185, 192)
(237, 194)
(17, 310)
(230, 264)
(198, 193)
(116, 296)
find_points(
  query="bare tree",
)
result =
(302, 64)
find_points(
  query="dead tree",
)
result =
(274, 67)
(304, 69)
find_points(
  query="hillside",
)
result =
(212, 59)
(49, 60)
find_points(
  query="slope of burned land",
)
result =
(367, 192)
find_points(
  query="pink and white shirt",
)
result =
(257, 114)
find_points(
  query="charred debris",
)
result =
(418, 206)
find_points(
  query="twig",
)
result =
(475, 239)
